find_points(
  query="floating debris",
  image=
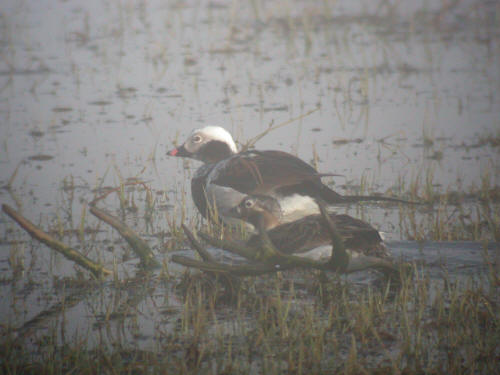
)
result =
(41, 157)
(280, 108)
(62, 109)
(189, 61)
(225, 51)
(344, 141)
(126, 92)
(216, 5)
(23, 72)
(37, 133)
(101, 102)
(437, 155)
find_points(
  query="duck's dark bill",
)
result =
(181, 151)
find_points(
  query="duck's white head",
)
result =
(209, 145)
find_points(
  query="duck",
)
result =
(310, 232)
(228, 176)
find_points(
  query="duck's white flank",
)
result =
(297, 206)
(325, 251)
(224, 197)
(319, 253)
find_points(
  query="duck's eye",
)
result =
(248, 203)
(196, 138)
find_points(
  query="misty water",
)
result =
(94, 94)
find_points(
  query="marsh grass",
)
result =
(296, 322)
(279, 325)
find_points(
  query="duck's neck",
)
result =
(265, 221)
(215, 151)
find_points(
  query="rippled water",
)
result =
(100, 86)
(95, 93)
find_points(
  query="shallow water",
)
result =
(94, 94)
(147, 308)
(99, 87)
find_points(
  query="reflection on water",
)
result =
(95, 93)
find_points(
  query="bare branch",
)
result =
(231, 246)
(138, 245)
(251, 142)
(204, 254)
(233, 269)
(69, 253)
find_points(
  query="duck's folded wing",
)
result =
(296, 237)
(357, 234)
(266, 172)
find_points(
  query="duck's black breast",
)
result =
(198, 188)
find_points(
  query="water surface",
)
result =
(93, 94)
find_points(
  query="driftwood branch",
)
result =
(138, 245)
(69, 253)
(204, 254)
(223, 268)
(228, 245)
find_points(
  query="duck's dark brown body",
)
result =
(273, 173)
(312, 231)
